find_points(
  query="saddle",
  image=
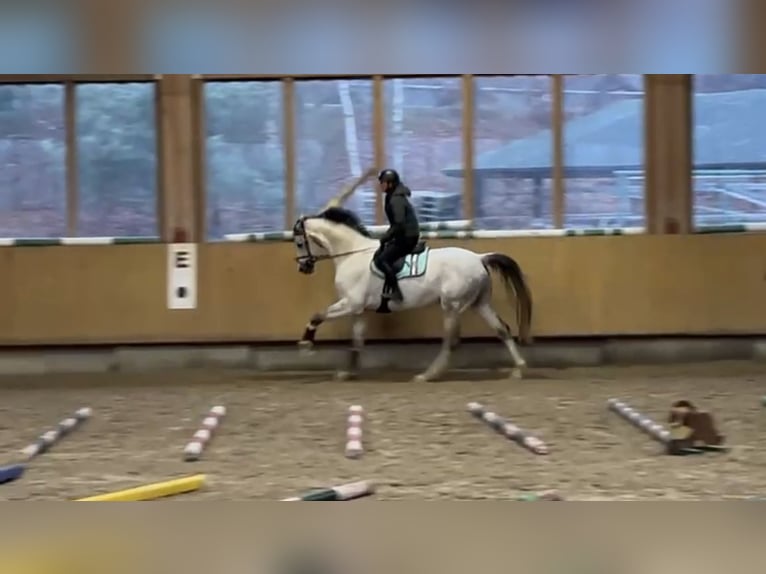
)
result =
(414, 264)
(399, 263)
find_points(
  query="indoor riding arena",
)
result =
(151, 303)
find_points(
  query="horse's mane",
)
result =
(345, 217)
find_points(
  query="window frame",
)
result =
(287, 91)
(72, 155)
(34, 79)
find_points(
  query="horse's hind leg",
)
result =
(503, 331)
(357, 343)
(440, 363)
(455, 341)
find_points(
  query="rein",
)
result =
(310, 257)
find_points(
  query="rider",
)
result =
(404, 231)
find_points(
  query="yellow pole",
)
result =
(151, 491)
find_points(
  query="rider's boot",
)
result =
(391, 286)
(391, 289)
(394, 293)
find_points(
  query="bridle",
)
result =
(299, 230)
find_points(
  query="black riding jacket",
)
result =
(401, 215)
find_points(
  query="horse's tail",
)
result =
(514, 281)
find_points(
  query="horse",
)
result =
(458, 279)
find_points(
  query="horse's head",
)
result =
(309, 244)
(335, 232)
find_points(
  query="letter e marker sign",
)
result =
(182, 276)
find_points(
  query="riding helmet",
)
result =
(389, 176)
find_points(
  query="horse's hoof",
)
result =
(306, 347)
(345, 376)
(517, 373)
(422, 378)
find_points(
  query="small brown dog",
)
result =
(692, 430)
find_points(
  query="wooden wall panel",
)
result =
(590, 286)
(63, 294)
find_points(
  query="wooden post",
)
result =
(379, 123)
(72, 165)
(557, 129)
(177, 158)
(469, 115)
(289, 143)
(668, 145)
(199, 153)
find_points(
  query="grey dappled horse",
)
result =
(455, 278)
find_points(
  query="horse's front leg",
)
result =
(357, 343)
(342, 308)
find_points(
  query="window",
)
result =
(729, 149)
(32, 161)
(334, 143)
(513, 152)
(424, 142)
(117, 159)
(245, 157)
(603, 151)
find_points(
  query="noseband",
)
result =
(300, 231)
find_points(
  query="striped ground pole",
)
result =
(354, 447)
(340, 493)
(50, 438)
(641, 422)
(53, 241)
(197, 445)
(11, 473)
(508, 429)
(657, 431)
